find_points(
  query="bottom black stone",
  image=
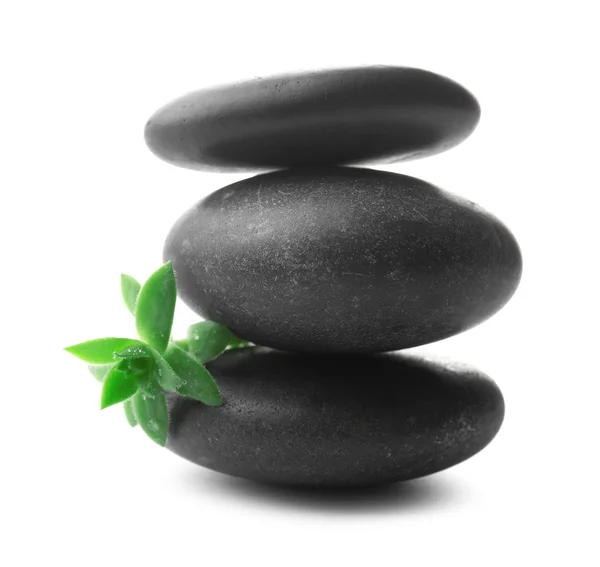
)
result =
(336, 420)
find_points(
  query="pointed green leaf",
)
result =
(138, 350)
(163, 373)
(130, 288)
(99, 371)
(152, 414)
(166, 376)
(119, 385)
(100, 351)
(129, 412)
(239, 343)
(208, 339)
(197, 380)
(156, 307)
(149, 384)
(183, 344)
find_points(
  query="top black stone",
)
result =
(358, 115)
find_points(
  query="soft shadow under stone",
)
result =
(402, 497)
(336, 420)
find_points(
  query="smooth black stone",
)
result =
(343, 116)
(336, 420)
(342, 260)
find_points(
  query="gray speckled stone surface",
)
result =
(336, 420)
(342, 260)
(329, 117)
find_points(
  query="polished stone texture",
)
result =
(361, 115)
(342, 260)
(336, 420)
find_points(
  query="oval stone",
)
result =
(341, 116)
(337, 420)
(342, 260)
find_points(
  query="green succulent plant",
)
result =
(138, 372)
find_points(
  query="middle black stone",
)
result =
(342, 260)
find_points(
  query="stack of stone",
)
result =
(328, 268)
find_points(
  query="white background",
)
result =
(84, 200)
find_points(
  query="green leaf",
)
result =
(138, 350)
(149, 384)
(129, 412)
(197, 381)
(208, 339)
(100, 351)
(99, 371)
(156, 307)
(152, 414)
(183, 344)
(130, 288)
(162, 371)
(119, 385)
(239, 343)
